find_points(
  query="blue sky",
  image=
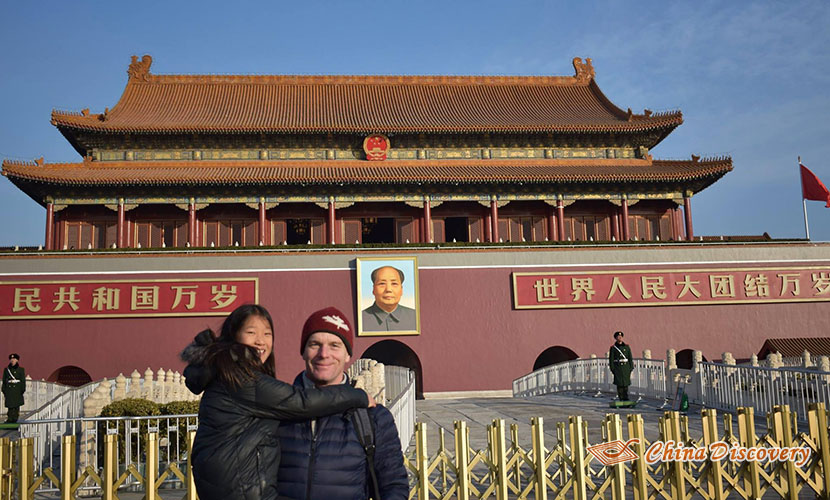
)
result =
(752, 79)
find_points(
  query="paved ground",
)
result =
(553, 408)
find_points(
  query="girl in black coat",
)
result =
(236, 452)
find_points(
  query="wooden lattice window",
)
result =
(278, 234)
(318, 231)
(504, 230)
(588, 227)
(83, 234)
(476, 225)
(352, 231)
(155, 234)
(229, 232)
(438, 235)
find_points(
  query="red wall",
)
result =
(471, 338)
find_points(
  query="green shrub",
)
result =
(131, 407)
(143, 408)
(179, 408)
(180, 431)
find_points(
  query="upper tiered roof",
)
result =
(217, 104)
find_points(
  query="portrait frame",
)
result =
(367, 325)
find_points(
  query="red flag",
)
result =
(812, 188)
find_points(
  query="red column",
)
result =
(191, 224)
(687, 208)
(551, 225)
(119, 227)
(560, 219)
(488, 228)
(626, 233)
(50, 226)
(615, 224)
(494, 216)
(330, 223)
(427, 222)
(675, 225)
(262, 233)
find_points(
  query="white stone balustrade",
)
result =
(160, 387)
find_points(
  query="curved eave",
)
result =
(668, 124)
(120, 174)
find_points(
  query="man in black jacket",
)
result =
(323, 459)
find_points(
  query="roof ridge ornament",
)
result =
(140, 70)
(584, 71)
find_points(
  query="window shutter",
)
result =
(72, 235)
(403, 230)
(603, 229)
(568, 222)
(156, 233)
(475, 225)
(143, 234)
(504, 230)
(352, 231)
(250, 239)
(86, 235)
(211, 233)
(515, 233)
(539, 229)
(318, 231)
(579, 229)
(438, 235)
(111, 235)
(642, 228)
(277, 232)
(665, 227)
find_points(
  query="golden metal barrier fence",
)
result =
(567, 469)
(503, 469)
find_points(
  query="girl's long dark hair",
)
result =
(233, 362)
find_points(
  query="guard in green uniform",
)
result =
(14, 385)
(620, 360)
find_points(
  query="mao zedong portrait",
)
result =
(387, 314)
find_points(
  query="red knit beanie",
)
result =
(329, 320)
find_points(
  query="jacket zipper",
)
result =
(259, 471)
(311, 461)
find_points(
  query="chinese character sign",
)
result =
(670, 287)
(119, 298)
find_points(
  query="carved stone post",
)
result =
(135, 385)
(697, 358)
(147, 389)
(120, 387)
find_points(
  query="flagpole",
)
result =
(803, 201)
